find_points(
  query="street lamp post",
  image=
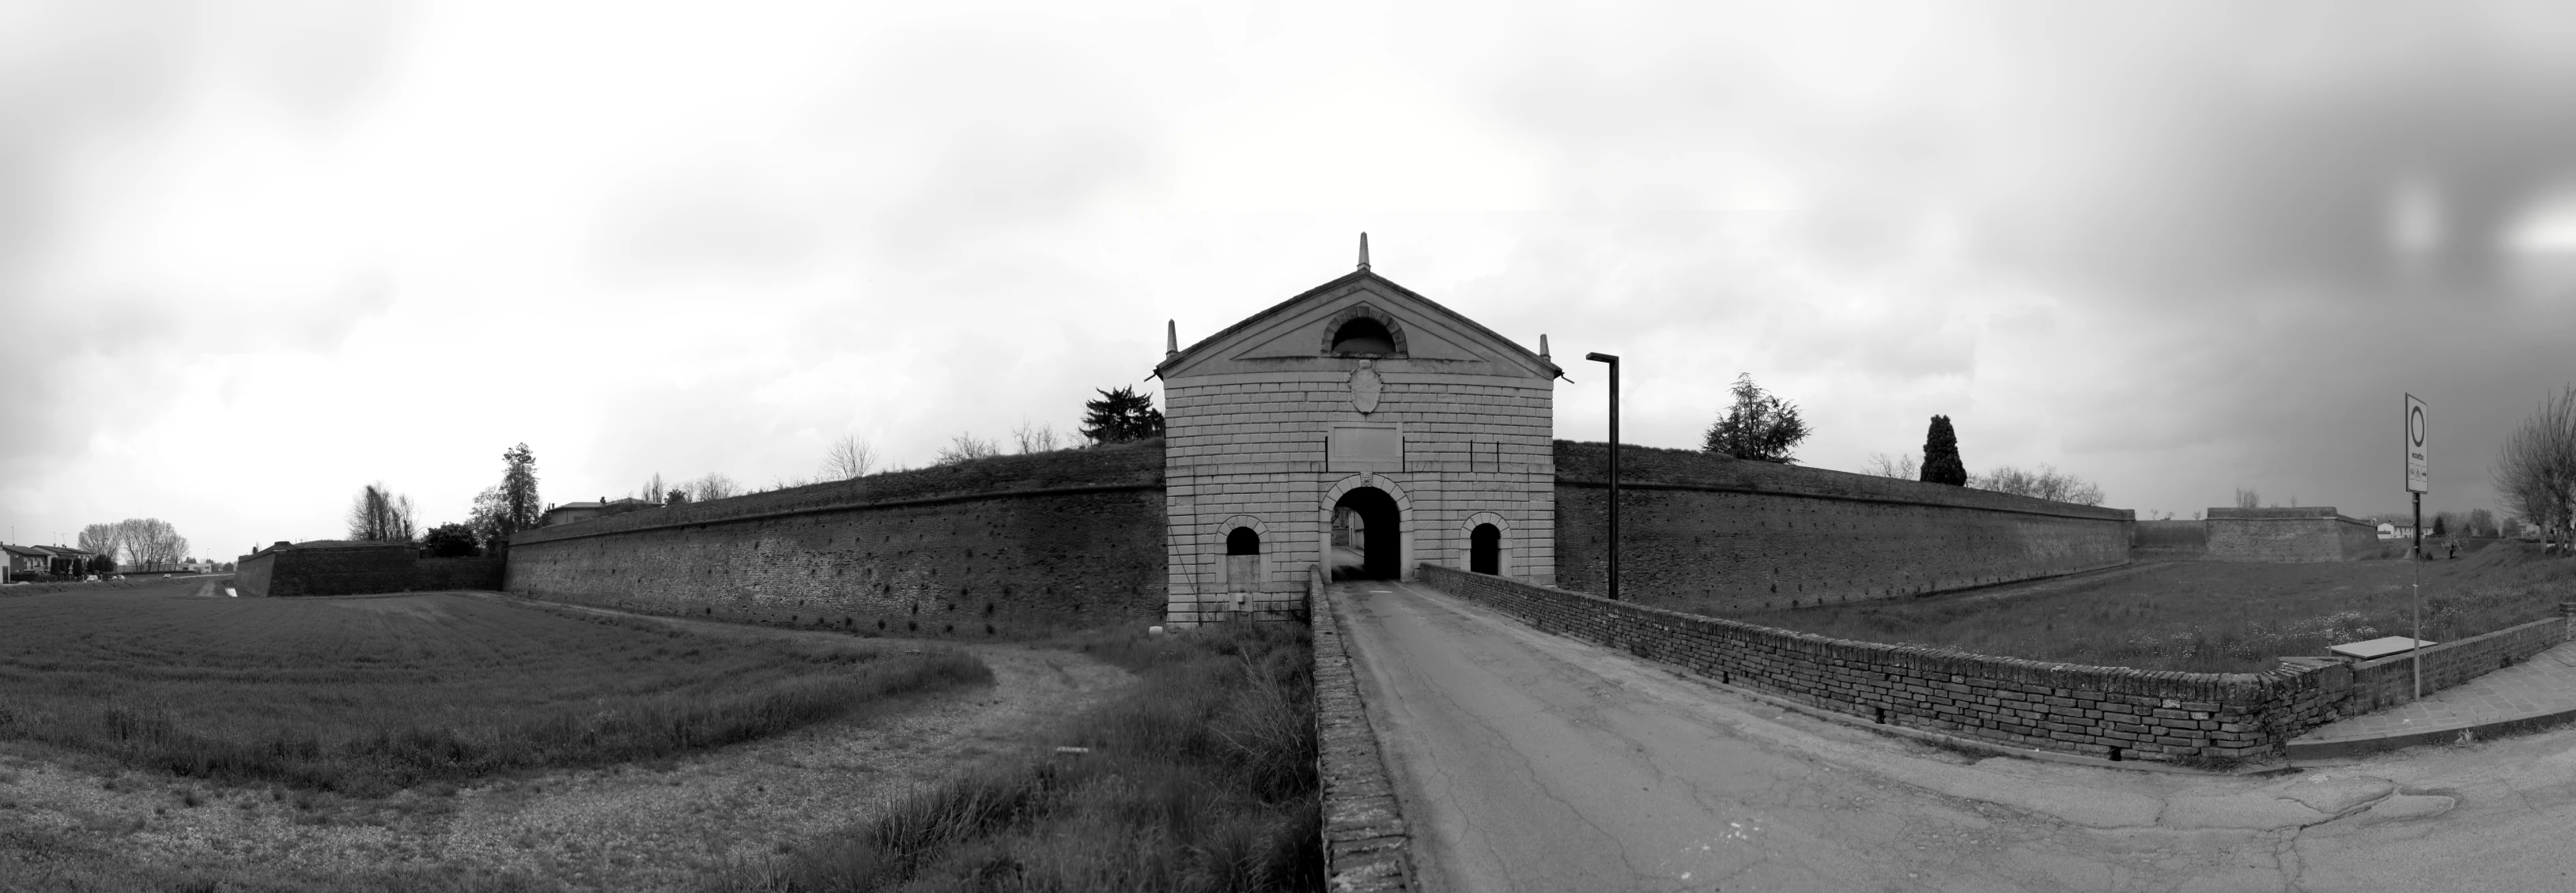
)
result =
(1614, 467)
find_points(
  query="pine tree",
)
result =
(1120, 416)
(1941, 464)
(1758, 426)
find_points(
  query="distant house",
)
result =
(24, 560)
(66, 560)
(583, 511)
(2389, 531)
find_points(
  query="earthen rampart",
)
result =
(1008, 546)
(1711, 534)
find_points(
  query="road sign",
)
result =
(2417, 479)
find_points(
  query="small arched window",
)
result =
(1242, 541)
(1363, 335)
(1485, 549)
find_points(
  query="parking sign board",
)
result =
(2417, 479)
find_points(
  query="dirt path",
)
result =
(628, 827)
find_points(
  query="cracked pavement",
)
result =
(1528, 761)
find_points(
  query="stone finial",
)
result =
(1363, 251)
(1171, 337)
(1542, 347)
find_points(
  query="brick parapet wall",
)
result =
(1365, 839)
(1030, 546)
(2096, 711)
(1709, 534)
(2390, 681)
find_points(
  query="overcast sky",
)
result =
(255, 255)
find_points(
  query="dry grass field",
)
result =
(2211, 617)
(363, 696)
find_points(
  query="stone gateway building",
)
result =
(1359, 426)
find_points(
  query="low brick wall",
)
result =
(1365, 839)
(2390, 681)
(2097, 711)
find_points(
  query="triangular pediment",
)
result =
(1297, 331)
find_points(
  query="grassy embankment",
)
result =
(1200, 778)
(2212, 617)
(365, 696)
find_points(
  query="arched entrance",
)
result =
(1368, 536)
(1485, 549)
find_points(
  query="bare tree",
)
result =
(381, 515)
(2535, 472)
(714, 486)
(967, 447)
(653, 489)
(2046, 483)
(104, 539)
(1035, 437)
(2247, 498)
(848, 457)
(1883, 465)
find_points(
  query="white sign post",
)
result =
(2419, 481)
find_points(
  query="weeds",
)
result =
(1200, 778)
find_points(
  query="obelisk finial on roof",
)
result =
(1363, 251)
(1171, 338)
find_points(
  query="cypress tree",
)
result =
(1941, 463)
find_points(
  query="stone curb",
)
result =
(1367, 847)
(2457, 733)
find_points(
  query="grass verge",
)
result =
(2212, 617)
(1201, 777)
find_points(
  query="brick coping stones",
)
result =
(1366, 842)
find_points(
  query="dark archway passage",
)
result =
(1379, 541)
(1485, 549)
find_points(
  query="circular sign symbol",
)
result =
(2415, 425)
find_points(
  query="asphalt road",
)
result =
(1531, 762)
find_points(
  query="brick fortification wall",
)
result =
(1008, 546)
(2289, 535)
(2093, 711)
(2169, 541)
(1710, 534)
(329, 568)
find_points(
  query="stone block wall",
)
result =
(1709, 534)
(2289, 535)
(1255, 445)
(1004, 547)
(2106, 712)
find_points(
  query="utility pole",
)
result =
(1614, 466)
